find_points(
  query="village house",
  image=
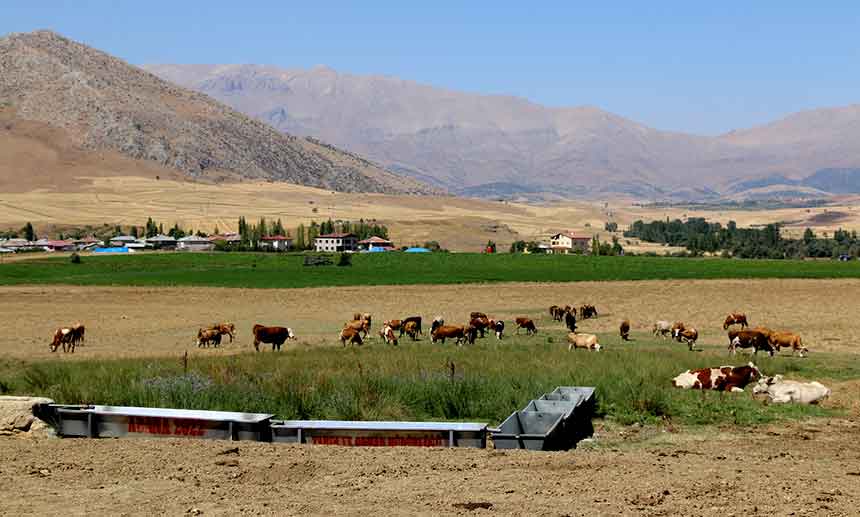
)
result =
(276, 242)
(566, 242)
(55, 245)
(122, 240)
(335, 242)
(87, 243)
(375, 244)
(194, 243)
(161, 242)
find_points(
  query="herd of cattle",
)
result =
(723, 378)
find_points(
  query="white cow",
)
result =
(662, 328)
(586, 341)
(781, 391)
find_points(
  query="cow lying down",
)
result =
(724, 378)
(782, 391)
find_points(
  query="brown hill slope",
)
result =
(101, 103)
(489, 144)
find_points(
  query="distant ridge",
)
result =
(101, 103)
(494, 145)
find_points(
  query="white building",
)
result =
(334, 242)
(564, 243)
(276, 242)
(195, 243)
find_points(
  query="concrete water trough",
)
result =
(125, 421)
(380, 434)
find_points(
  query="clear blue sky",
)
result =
(672, 65)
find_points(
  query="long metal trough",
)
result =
(380, 434)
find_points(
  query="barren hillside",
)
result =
(99, 103)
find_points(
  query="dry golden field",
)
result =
(129, 321)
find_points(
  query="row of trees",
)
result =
(597, 247)
(699, 236)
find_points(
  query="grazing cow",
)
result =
(443, 332)
(387, 333)
(556, 312)
(688, 335)
(63, 336)
(624, 330)
(414, 319)
(394, 324)
(724, 378)
(498, 326)
(791, 340)
(527, 324)
(206, 337)
(570, 320)
(276, 336)
(587, 311)
(438, 321)
(749, 339)
(783, 391)
(227, 329)
(471, 335)
(350, 335)
(481, 324)
(586, 341)
(359, 326)
(411, 330)
(662, 328)
(78, 332)
(735, 318)
(677, 328)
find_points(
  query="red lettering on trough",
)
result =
(381, 441)
(165, 426)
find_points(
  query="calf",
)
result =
(350, 335)
(749, 339)
(688, 335)
(586, 341)
(624, 330)
(724, 378)
(444, 332)
(206, 337)
(780, 340)
(227, 329)
(362, 326)
(782, 391)
(276, 336)
(527, 324)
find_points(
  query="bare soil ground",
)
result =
(808, 468)
(137, 322)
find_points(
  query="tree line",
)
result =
(699, 236)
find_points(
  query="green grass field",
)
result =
(286, 270)
(417, 381)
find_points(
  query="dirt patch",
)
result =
(136, 322)
(806, 468)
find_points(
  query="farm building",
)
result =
(334, 242)
(375, 244)
(564, 243)
(194, 243)
(122, 240)
(53, 245)
(276, 242)
(161, 242)
(87, 243)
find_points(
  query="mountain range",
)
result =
(65, 106)
(492, 145)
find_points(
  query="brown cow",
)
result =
(735, 318)
(63, 336)
(359, 326)
(624, 329)
(358, 316)
(394, 324)
(788, 340)
(527, 324)
(444, 332)
(350, 335)
(206, 337)
(677, 328)
(556, 312)
(754, 339)
(274, 335)
(688, 335)
(227, 329)
(587, 311)
(411, 330)
(481, 324)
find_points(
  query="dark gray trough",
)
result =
(556, 421)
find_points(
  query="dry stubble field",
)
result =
(800, 468)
